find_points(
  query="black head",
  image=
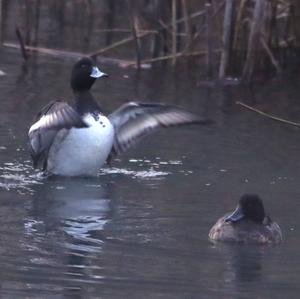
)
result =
(84, 74)
(250, 207)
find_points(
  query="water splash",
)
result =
(141, 174)
(157, 169)
(18, 176)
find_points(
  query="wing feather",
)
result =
(134, 120)
(52, 118)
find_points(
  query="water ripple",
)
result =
(144, 174)
(19, 176)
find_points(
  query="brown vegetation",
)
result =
(232, 37)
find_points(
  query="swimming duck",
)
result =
(247, 224)
(76, 139)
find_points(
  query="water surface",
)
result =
(139, 230)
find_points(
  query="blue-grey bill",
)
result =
(235, 216)
(96, 73)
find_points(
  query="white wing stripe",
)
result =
(37, 124)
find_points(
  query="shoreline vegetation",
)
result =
(232, 38)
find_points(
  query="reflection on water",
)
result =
(78, 207)
(244, 265)
(70, 213)
(139, 229)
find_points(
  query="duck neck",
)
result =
(85, 102)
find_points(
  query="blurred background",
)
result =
(228, 38)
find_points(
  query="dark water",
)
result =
(139, 230)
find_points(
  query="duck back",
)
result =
(246, 231)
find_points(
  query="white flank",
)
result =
(82, 151)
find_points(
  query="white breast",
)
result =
(82, 151)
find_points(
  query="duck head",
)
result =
(84, 74)
(250, 207)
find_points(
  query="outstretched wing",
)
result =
(134, 120)
(52, 118)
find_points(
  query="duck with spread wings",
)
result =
(78, 139)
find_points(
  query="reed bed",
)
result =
(231, 38)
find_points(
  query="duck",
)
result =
(76, 138)
(247, 224)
